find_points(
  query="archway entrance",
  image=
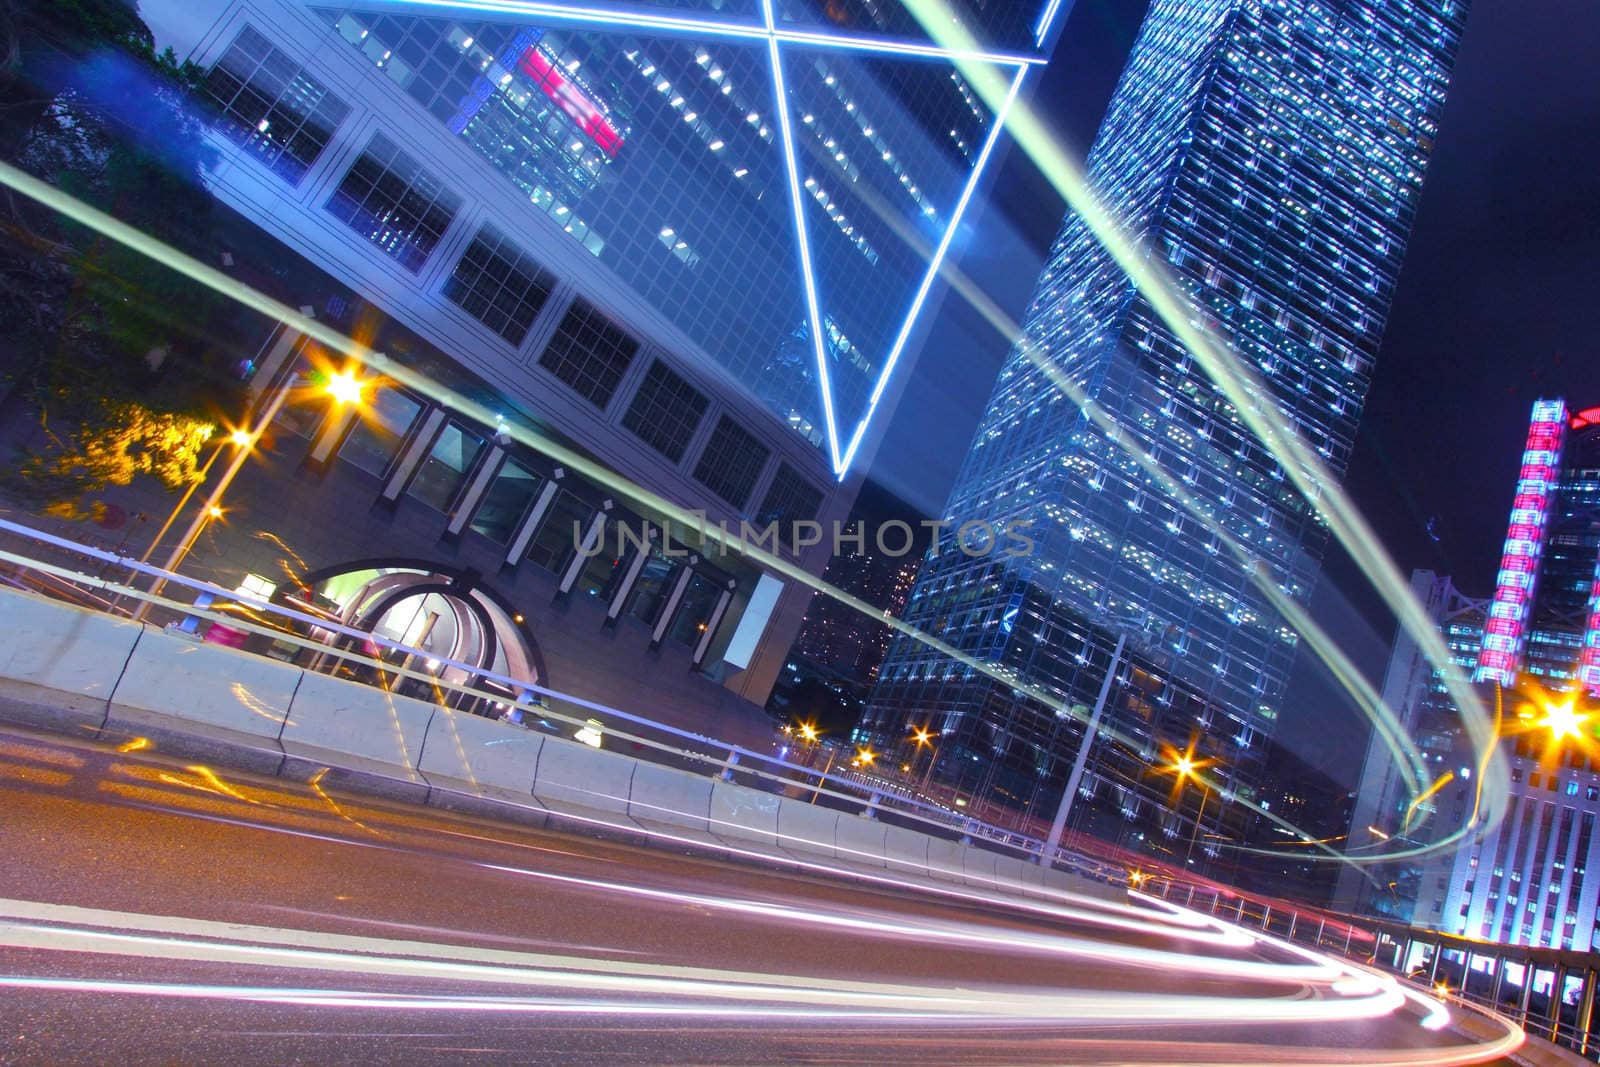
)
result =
(461, 631)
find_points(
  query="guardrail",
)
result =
(1549, 992)
(359, 655)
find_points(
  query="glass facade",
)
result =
(754, 229)
(1271, 155)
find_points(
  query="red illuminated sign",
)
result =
(1501, 654)
(571, 98)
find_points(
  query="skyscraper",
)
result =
(1538, 639)
(690, 239)
(1270, 154)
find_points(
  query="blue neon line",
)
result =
(715, 28)
(1048, 16)
(798, 204)
(934, 264)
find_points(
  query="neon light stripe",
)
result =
(722, 28)
(1047, 17)
(797, 203)
(1500, 656)
(934, 264)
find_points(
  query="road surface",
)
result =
(153, 911)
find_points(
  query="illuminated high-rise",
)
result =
(1537, 639)
(692, 239)
(1270, 154)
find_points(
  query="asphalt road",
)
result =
(153, 911)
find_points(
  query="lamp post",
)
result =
(1058, 825)
(924, 739)
(344, 387)
(1185, 768)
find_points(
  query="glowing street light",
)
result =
(808, 731)
(1563, 720)
(345, 388)
(866, 756)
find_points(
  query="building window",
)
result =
(694, 610)
(652, 587)
(379, 430)
(269, 105)
(451, 458)
(789, 499)
(506, 502)
(665, 412)
(731, 462)
(388, 198)
(563, 525)
(589, 352)
(499, 286)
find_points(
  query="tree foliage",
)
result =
(107, 350)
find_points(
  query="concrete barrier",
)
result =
(670, 797)
(860, 840)
(345, 723)
(69, 662)
(173, 681)
(807, 827)
(906, 850)
(944, 859)
(58, 663)
(1008, 870)
(745, 814)
(475, 754)
(977, 866)
(573, 775)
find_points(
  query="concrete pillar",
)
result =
(1558, 988)
(530, 522)
(712, 623)
(1433, 968)
(674, 598)
(331, 433)
(630, 578)
(1527, 993)
(476, 489)
(413, 454)
(1497, 987)
(1586, 1010)
(593, 539)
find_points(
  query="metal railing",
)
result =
(363, 656)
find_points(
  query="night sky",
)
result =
(1496, 307)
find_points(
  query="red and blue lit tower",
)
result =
(1544, 620)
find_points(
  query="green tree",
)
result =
(109, 353)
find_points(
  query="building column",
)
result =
(530, 522)
(712, 623)
(276, 355)
(673, 600)
(476, 489)
(1527, 993)
(1558, 989)
(331, 433)
(630, 578)
(592, 539)
(1586, 1010)
(1498, 986)
(412, 455)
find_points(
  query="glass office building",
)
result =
(1270, 155)
(790, 245)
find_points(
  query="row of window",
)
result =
(271, 106)
(374, 443)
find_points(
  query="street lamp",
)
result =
(924, 739)
(1184, 766)
(1058, 825)
(343, 387)
(236, 438)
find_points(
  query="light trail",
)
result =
(1244, 392)
(211, 278)
(1308, 989)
